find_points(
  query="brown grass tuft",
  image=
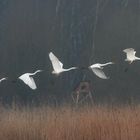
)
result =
(67, 123)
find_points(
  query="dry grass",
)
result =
(67, 123)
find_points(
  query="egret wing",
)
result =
(32, 83)
(57, 65)
(28, 81)
(129, 52)
(99, 73)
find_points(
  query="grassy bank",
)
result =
(70, 123)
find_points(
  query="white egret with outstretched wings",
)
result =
(98, 69)
(3, 79)
(57, 65)
(130, 55)
(29, 80)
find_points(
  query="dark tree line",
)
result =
(80, 33)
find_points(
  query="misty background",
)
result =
(79, 33)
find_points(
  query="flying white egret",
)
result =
(28, 79)
(57, 65)
(98, 69)
(3, 79)
(130, 55)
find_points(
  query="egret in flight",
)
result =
(28, 79)
(130, 55)
(57, 65)
(98, 69)
(3, 79)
